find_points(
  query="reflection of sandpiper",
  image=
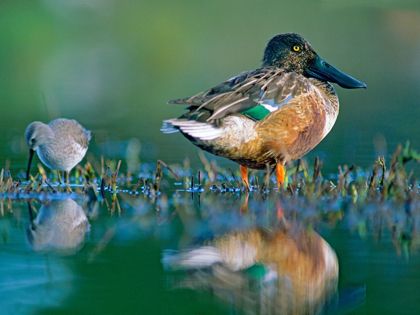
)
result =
(60, 145)
(60, 226)
(297, 271)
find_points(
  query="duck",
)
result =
(61, 144)
(270, 116)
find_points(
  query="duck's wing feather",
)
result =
(255, 94)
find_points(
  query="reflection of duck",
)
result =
(60, 226)
(297, 269)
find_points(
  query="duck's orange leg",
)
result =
(244, 175)
(280, 174)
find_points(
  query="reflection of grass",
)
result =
(383, 199)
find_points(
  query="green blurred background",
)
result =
(113, 65)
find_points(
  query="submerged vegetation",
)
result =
(384, 196)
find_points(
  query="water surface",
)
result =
(74, 257)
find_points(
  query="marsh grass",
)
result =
(379, 201)
(384, 181)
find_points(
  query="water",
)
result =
(82, 257)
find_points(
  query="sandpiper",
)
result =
(270, 116)
(60, 145)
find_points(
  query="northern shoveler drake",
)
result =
(269, 116)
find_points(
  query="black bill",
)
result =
(324, 71)
(31, 155)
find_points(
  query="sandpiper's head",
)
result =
(36, 134)
(292, 52)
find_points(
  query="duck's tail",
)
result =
(168, 127)
(200, 130)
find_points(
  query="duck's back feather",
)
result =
(254, 94)
(250, 93)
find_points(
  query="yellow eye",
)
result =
(296, 48)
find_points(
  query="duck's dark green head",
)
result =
(289, 51)
(292, 52)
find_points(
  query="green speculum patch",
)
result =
(259, 112)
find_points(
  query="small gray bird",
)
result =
(60, 145)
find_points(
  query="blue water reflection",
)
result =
(233, 254)
(60, 226)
